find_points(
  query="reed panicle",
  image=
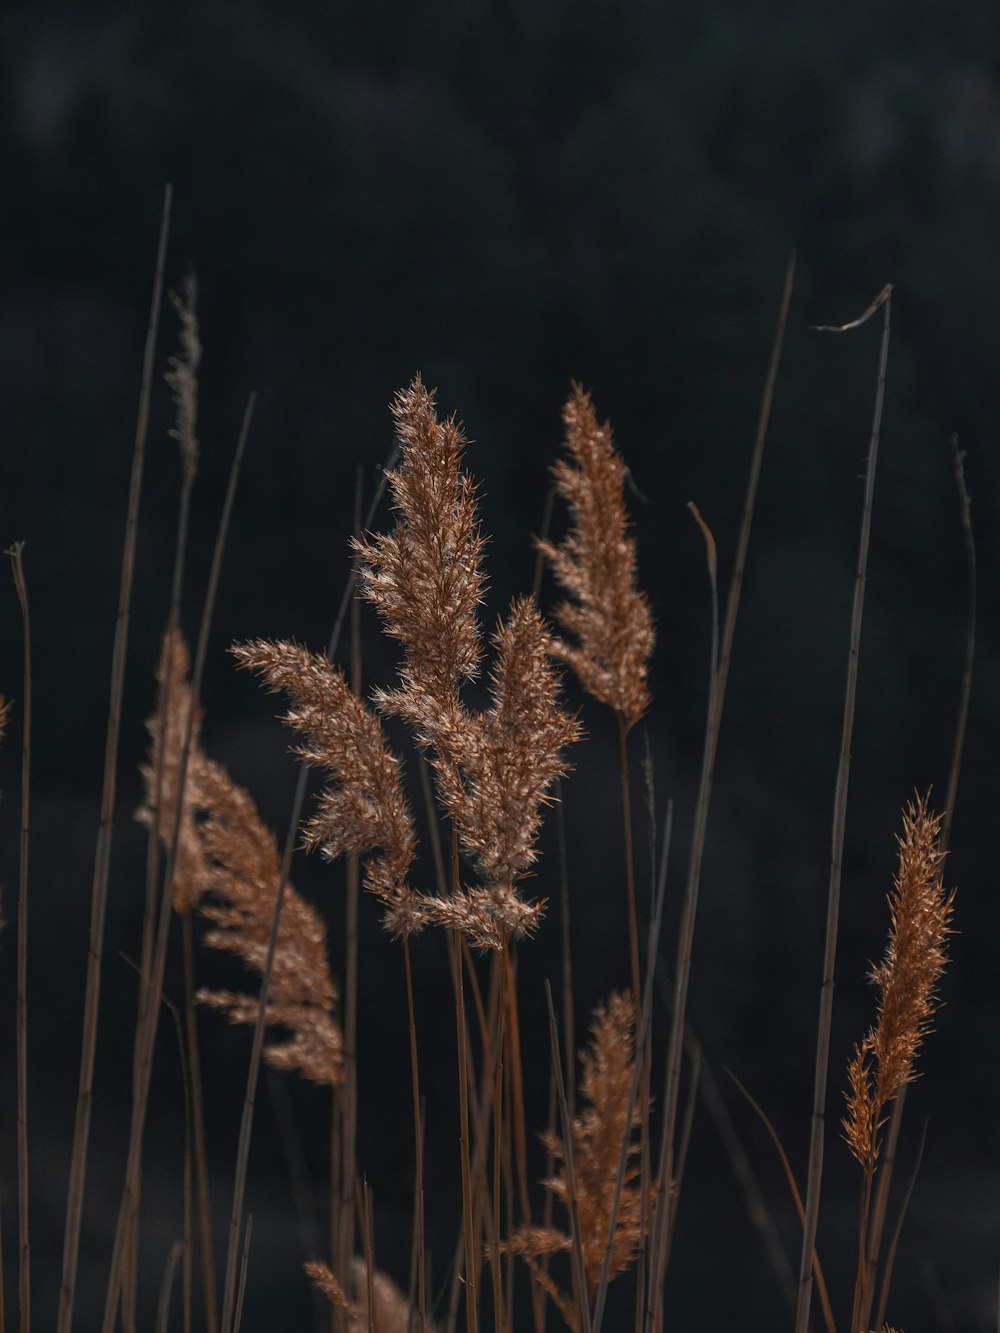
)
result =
(920, 911)
(599, 1132)
(243, 873)
(920, 915)
(596, 566)
(425, 577)
(228, 865)
(366, 808)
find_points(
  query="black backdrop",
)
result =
(506, 197)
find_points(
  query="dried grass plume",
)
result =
(596, 566)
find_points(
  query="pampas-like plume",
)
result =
(596, 565)
(599, 1134)
(366, 808)
(243, 872)
(920, 916)
(425, 577)
(224, 849)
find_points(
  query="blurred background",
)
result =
(506, 197)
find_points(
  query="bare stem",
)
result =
(815, 1178)
(102, 856)
(16, 553)
(418, 1146)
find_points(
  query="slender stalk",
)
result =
(958, 746)
(633, 920)
(471, 1265)
(574, 1205)
(244, 1266)
(645, 1019)
(418, 1146)
(144, 1071)
(894, 1243)
(189, 467)
(166, 1288)
(16, 553)
(799, 1208)
(717, 695)
(815, 1178)
(253, 1072)
(102, 856)
(347, 1203)
(369, 1257)
(499, 1311)
(198, 1131)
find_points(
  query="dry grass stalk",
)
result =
(596, 565)
(883, 1063)
(599, 1132)
(102, 855)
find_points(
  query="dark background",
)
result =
(505, 197)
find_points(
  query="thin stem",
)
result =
(198, 1128)
(253, 1072)
(102, 856)
(815, 1177)
(633, 920)
(418, 1146)
(894, 1243)
(645, 1019)
(244, 1267)
(16, 554)
(717, 695)
(144, 1070)
(347, 1204)
(574, 1205)
(471, 1266)
(958, 746)
(166, 1288)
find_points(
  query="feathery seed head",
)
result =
(365, 808)
(425, 578)
(920, 912)
(600, 1132)
(596, 566)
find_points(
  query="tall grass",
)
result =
(486, 723)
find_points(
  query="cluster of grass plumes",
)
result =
(493, 769)
(485, 714)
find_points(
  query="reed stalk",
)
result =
(102, 856)
(16, 554)
(815, 1176)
